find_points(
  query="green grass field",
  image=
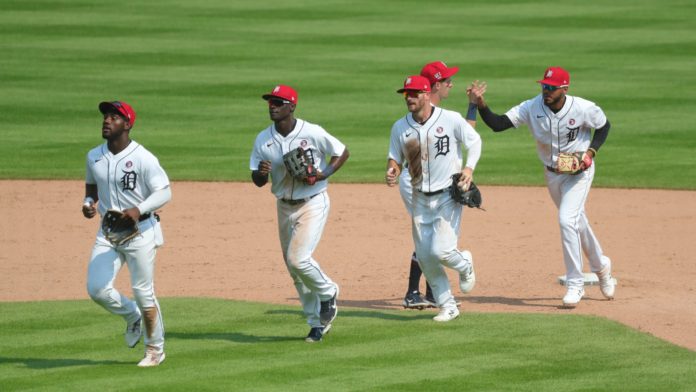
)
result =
(194, 71)
(236, 346)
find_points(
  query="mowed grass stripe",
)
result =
(194, 73)
(216, 344)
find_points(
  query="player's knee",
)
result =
(144, 297)
(98, 293)
(566, 222)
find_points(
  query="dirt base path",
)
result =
(221, 241)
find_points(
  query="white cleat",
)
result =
(573, 297)
(133, 333)
(606, 283)
(467, 278)
(153, 357)
(447, 314)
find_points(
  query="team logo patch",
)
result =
(438, 76)
(276, 89)
(549, 74)
(129, 164)
(408, 81)
(571, 122)
(303, 143)
(439, 130)
(442, 145)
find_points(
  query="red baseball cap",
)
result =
(120, 107)
(555, 76)
(415, 83)
(436, 71)
(283, 92)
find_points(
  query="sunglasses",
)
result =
(277, 102)
(549, 87)
(412, 93)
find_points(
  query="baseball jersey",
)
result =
(126, 179)
(569, 130)
(440, 140)
(271, 146)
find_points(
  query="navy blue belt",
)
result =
(147, 216)
(298, 201)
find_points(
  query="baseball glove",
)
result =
(300, 165)
(470, 197)
(569, 163)
(119, 228)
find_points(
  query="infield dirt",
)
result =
(222, 241)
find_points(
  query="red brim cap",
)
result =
(120, 107)
(283, 92)
(415, 83)
(555, 76)
(437, 71)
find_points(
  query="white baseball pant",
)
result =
(300, 228)
(139, 254)
(569, 193)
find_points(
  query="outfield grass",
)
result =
(225, 345)
(194, 71)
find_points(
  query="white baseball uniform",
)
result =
(567, 131)
(302, 209)
(436, 217)
(126, 180)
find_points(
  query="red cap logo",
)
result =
(415, 83)
(283, 92)
(436, 71)
(555, 76)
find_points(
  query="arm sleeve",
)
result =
(89, 177)
(256, 156)
(156, 200)
(600, 136)
(497, 123)
(330, 145)
(471, 141)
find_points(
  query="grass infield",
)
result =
(216, 344)
(194, 71)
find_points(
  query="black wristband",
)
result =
(471, 113)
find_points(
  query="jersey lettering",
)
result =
(572, 133)
(442, 145)
(128, 180)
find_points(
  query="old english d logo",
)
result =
(128, 180)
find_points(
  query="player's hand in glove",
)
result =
(300, 165)
(573, 163)
(118, 227)
(586, 160)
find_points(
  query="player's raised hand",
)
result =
(475, 92)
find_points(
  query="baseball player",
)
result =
(562, 123)
(430, 139)
(302, 204)
(440, 77)
(123, 175)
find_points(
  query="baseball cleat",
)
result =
(413, 300)
(329, 310)
(573, 297)
(467, 278)
(447, 314)
(153, 357)
(133, 333)
(606, 282)
(430, 300)
(317, 333)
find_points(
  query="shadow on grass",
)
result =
(44, 363)
(230, 336)
(343, 313)
(529, 302)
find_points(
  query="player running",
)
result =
(302, 204)
(123, 175)
(430, 139)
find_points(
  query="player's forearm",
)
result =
(497, 123)
(473, 154)
(334, 164)
(600, 136)
(91, 191)
(156, 200)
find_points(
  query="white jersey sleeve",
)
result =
(594, 116)
(395, 144)
(519, 114)
(257, 154)
(471, 140)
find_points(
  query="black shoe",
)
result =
(413, 300)
(329, 310)
(315, 335)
